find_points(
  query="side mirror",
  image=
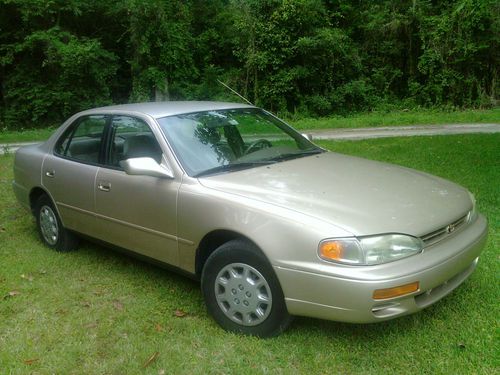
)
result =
(145, 167)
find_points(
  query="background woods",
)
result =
(306, 57)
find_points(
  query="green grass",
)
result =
(96, 311)
(360, 120)
(400, 118)
(10, 136)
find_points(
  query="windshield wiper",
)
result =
(245, 165)
(298, 154)
(233, 167)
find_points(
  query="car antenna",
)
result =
(234, 92)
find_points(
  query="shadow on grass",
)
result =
(130, 264)
(134, 271)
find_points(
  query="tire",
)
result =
(50, 228)
(242, 292)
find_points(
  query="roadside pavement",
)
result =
(402, 131)
(7, 148)
(360, 133)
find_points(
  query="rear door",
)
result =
(136, 212)
(69, 173)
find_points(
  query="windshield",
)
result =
(227, 140)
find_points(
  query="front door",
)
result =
(136, 212)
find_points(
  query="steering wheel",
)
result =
(258, 145)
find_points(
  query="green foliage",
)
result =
(73, 75)
(459, 69)
(161, 48)
(50, 73)
(307, 57)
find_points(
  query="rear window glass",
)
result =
(83, 141)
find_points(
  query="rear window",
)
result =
(83, 141)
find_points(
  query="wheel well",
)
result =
(211, 242)
(34, 195)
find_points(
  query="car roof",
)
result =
(163, 109)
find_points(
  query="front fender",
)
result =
(280, 233)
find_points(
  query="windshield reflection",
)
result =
(214, 141)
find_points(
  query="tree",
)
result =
(460, 59)
(161, 49)
(313, 57)
(49, 73)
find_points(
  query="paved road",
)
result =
(12, 147)
(403, 131)
(364, 133)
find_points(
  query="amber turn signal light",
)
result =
(396, 291)
(331, 250)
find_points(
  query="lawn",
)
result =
(96, 311)
(359, 120)
(29, 135)
(400, 118)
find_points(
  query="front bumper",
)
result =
(341, 295)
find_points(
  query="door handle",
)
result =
(50, 174)
(104, 186)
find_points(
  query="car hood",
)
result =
(358, 195)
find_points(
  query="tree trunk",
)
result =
(161, 93)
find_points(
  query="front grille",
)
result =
(441, 233)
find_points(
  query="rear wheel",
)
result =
(242, 292)
(50, 227)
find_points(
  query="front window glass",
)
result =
(132, 138)
(227, 140)
(83, 141)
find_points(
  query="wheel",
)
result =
(241, 291)
(50, 228)
(258, 145)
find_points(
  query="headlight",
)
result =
(370, 250)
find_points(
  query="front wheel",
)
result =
(50, 227)
(242, 292)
